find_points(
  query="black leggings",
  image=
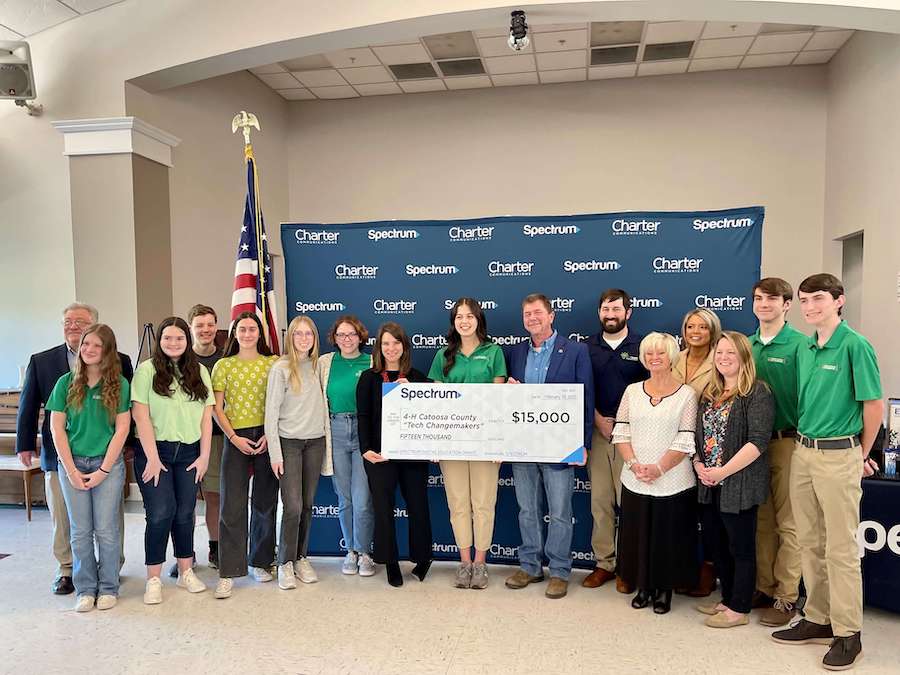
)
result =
(412, 477)
(730, 540)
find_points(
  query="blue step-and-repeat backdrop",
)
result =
(412, 271)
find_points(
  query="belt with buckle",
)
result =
(841, 443)
(784, 433)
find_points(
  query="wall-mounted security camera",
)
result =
(518, 31)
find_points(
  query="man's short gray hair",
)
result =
(95, 315)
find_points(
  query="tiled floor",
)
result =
(355, 625)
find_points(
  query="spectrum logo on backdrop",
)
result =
(722, 224)
(307, 307)
(485, 304)
(430, 270)
(392, 233)
(549, 230)
(573, 266)
(476, 233)
(316, 236)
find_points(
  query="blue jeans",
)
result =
(533, 481)
(169, 505)
(94, 515)
(351, 484)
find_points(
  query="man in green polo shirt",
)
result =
(839, 412)
(775, 345)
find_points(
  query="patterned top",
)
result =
(715, 420)
(652, 431)
(244, 383)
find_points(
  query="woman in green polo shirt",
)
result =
(471, 487)
(239, 383)
(89, 420)
(172, 400)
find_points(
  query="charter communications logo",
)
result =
(635, 227)
(316, 236)
(516, 268)
(574, 266)
(392, 233)
(382, 306)
(720, 303)
(355, 271)
(306, 307)
(430, 270)
(722, 224)
(485, 304)
(477, 233)
(663, 265)
(562, 304)
(422, 341)
(549, 230)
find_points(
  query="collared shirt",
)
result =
(835, 379)
(538, 360)
(71, 357)
(701, 376)
(614, 369)
(481, 366)
(776, 365)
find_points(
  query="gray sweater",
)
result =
(750, 421)
(291, 414)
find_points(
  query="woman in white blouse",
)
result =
(654, 432)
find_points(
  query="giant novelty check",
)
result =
(499, 422)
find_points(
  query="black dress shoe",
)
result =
(663, 602)
(421, 570)
(642, 599)
(63, 586)
(394, 575)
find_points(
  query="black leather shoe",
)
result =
(420, 571)
(663, 602)
(63, 586)
(642, 599)
(844, 652)
(394, 575)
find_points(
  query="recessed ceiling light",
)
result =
(607, 55)
(668, 50)
(461, 67)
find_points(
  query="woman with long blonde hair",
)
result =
(89, 418)
(295, 427)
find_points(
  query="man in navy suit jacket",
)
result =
(44, 369)
(547, 358)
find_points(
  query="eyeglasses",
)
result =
(76, 323)
(346, 336)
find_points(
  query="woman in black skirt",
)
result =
(654, 432)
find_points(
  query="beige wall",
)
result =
(863, 175)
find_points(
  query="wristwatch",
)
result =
(631, 462)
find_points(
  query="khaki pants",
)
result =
(604, 467)
(825, 494)
(777, 547)
(471, 489)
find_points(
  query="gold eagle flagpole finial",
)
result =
(243, 121)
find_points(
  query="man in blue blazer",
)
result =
(44, 369)
(547, 358)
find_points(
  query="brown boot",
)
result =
(597, 578)
(779, 614)
(623, 586)
(707, 583)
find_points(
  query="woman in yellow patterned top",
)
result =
(239, 383)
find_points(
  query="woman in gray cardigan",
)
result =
(734, 426)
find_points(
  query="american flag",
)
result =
(255, 291)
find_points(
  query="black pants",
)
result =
(234, 487)
(730, 539)
(412, 477)
(302, 466)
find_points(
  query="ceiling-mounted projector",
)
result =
(16, 78)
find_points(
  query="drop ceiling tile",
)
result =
(7, 34)
(770, 28)
(553, 27)
(823, 29)
(85, 6)
(609, 33)
(663, 67)
(28, 17)
(418, 86)
(345, 91)
(366, 74)
(268, 70)
(279, 80)
(603, 56)
(379, 89)
(673, 31)
(724, 29)
(458, 67)
(396, 54)
(497, 46)
(767, 60)
(560, 41)
(352, 58)
(570, 75)
(313, 62)
(514, 79)
(469, 82)
(320, 78)
(809, 57)
(719, 63)
(492, 32)
(413, 71)
(501, 65)
(776, 43)
(610, 72)
(722, 47)
(562, 60)
(459, 45)
(297, 94)
(834, 39)
(667, 51)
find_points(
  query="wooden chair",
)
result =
(11, 463)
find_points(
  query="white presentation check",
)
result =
(500, 422)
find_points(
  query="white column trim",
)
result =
(117, 135)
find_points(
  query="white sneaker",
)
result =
(153, 591)
(190, 581)
(349, 565)
(261, 574)
(84, 603)
(366, 565)
(223, 588)
(286, 579)
(305, 571)
(106, 601)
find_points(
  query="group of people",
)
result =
(761, 440)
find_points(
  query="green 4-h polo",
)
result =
(776, 365)
(89, 428)
(479, 367)
(834, 381)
